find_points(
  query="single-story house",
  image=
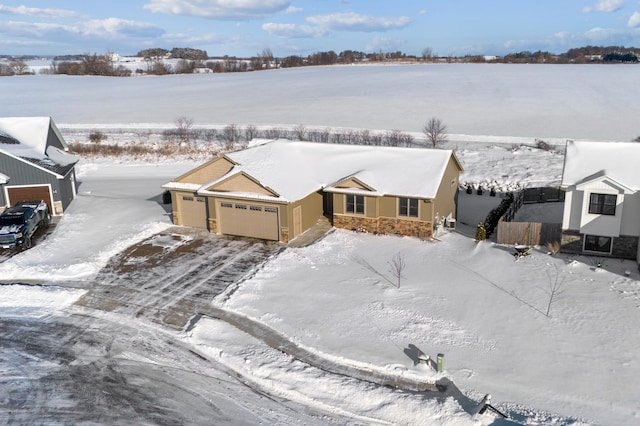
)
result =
(602, 203)
(35, 163)
(276, 190)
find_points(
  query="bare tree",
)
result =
(397, 266)
(230, 135)
(435, 131)
(427, 53)
(555, 288)
(300, 132)
(250, 132)
(184, 127)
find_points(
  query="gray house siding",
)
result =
(23, 173)
(67, 189)
(54, 137)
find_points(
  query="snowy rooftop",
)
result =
(294, 169)
(30, 132)
(617, 160)
(27, 138)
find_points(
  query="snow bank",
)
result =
(35, 301)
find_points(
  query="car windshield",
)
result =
(6, 220)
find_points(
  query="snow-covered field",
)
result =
(472, 302)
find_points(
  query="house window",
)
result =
(187, 198)
(408, 207)
(355, 204)
(241, 206)
(271, 210)
(602, 204)
(255, 208)
(226, 205)
(598, 244)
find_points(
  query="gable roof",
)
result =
(616, 160)
(37, 141)
(293, 170)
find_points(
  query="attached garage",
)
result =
(29, 193)
(193, 210)
(248, 220)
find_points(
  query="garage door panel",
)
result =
(194, 211)
(29, 193)
(249, 220)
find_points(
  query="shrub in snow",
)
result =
(97, 136)
(481, 233)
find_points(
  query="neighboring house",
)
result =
(276, 190)
(35, 163)
(602, 203)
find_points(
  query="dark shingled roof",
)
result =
(8, 139)
(50, 165)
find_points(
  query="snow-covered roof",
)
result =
(27, 138)
(617, 160)
(31, 132)
(3, 179)
(295, 169)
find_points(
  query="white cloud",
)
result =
(34, 11)
(381, 44)
(356, 22)
(106, 28)
(220, 9)
(605, 6)
(293, 30)
(114, 27)
(634, 20)
(29, 29)
(293, 9)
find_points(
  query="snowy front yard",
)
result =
(475, 304)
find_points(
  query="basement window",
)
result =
(597, 244)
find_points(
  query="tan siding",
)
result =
(350, 183)
(208, 172)
(426, 211)
(240, 183)
(338, 203)
(311, 212)
(388, 207)
(445, 199)
(371, 207)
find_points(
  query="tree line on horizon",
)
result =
(154, 60)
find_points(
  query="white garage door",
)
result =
(248, 220)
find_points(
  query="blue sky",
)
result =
(300, 27)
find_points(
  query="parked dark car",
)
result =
(19, 222)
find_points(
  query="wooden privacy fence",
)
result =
(530, 233)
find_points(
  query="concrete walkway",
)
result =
(313, 234)
(280, 342)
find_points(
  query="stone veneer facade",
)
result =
(385, 225)
(623, 247)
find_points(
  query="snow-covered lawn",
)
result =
(475, 304)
